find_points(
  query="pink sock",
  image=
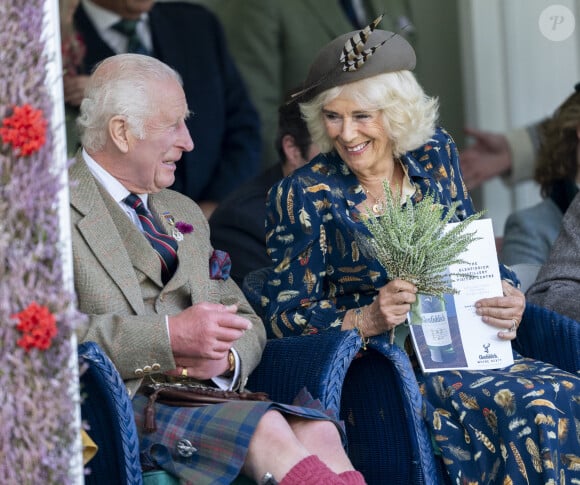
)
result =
(352, 478)
(311, 471)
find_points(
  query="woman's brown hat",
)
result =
(354, 56)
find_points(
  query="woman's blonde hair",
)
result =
(409, 115)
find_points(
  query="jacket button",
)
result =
(185, 448)
(155, 367)
(139, 372)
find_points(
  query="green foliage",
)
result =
(411, 243)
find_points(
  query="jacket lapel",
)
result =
(100, 216)
(143, 256)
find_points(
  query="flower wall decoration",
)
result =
(38, 327)
(36, 320)
(25, 130)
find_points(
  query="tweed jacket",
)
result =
(118, 282)
(224, 124)
(557, 285)
(274, 42)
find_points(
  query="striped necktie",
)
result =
(164, 245)
(128, 28)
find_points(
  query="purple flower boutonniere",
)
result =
(183, 227)
(179, 228)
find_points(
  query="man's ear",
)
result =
(293, 157)
(119, 132)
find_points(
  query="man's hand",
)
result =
(487, 157)
(201, 337)
(202, 369)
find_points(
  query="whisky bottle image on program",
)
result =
(429, 311)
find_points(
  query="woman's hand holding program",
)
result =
(504, 312)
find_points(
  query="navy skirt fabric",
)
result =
(520, 424)
(220, 434)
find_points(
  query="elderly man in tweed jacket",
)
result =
(192, 323)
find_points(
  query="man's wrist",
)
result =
(231, 364)
(230, 381)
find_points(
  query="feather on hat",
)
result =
(347, 59)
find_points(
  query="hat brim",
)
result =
(327, 71)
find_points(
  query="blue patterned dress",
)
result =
(520, 424)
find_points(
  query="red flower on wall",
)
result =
(38, 327)
(25, 130)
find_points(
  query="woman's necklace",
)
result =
(380, 203)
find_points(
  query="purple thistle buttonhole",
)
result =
(183, 227)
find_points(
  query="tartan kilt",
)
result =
(220, 433)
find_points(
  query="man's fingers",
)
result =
(235, 322)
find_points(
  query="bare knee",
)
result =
(273, 448)
(316, 435)
(322, 438)
(274, 428)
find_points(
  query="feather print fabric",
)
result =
(518, 438)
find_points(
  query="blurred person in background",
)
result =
(238, 223)
(529, 233)
(224, 125)
(275, 41)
